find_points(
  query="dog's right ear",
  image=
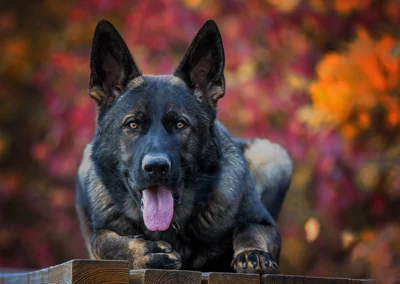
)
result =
(112, 66)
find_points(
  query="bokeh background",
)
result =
(321, 77)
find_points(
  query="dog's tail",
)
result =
(271, 168)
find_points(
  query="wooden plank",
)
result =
(10, 270)
(227, 278)
(90, 271)
(14, 278)
(293, 279)
(39, 276)
(156, 276)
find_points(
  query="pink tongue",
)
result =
(158, 208)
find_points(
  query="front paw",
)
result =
(255, 261)
(153, 255)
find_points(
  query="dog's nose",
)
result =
(156, 165)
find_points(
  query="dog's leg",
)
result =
(140, 253)
(256, 248)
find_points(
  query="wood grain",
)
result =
(292, 279)
(226, 278)
(90, 271)
(155, 276)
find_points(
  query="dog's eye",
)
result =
(180, 125)
(133, 125)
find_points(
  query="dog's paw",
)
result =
(153, 255)
(255, 261)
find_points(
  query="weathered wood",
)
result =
(39, 276)
(14, 278)
(13, 275)
(292, 279)
(155, 276)
(227, 278)
(89, 271)
(9, 270)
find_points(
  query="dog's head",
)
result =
(155, 133)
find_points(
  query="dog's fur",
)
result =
(227, 191)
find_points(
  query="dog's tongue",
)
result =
(158, 208)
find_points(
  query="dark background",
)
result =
(321, 77)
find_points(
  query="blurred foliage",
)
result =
(370, 68)
(321, 77)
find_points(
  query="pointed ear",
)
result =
(112, 66)
(202, 68)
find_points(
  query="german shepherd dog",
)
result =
(163, 184)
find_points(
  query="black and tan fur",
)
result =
(220, 223)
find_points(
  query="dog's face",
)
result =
(155, 133)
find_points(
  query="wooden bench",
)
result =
(91, 271)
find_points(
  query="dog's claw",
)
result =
(254, 261)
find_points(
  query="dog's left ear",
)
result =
(202, 68)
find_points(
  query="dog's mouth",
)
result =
(175, 194)
(157, 205)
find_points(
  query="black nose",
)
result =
(156, 165)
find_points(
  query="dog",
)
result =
(163, 184)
